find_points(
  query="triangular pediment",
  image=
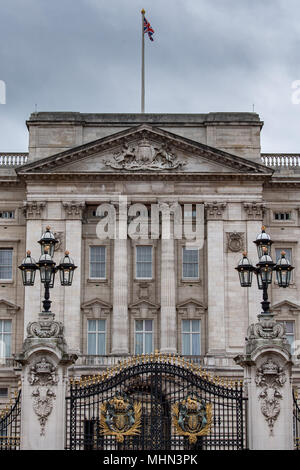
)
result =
(4, 304)
(143, 149)
(96, 302)
(287, 305)
(191, 303)
(143, 304)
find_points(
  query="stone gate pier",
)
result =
(267, 364)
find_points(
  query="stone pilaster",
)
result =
(215, 278)
(34, 213)
(72, 300)
(168, 324)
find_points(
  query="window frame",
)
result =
(10, 333)
(184, 278)
(144, 332)
(92, 278)
(96, 332)
(142, 245)
(11, 250)
(191, 333)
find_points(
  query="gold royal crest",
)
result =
(120, 417)
(192, 417)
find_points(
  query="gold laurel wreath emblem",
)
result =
(192, 436)
(132, 431)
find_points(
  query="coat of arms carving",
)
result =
(192, 417)
(120, 416)
(145, 157)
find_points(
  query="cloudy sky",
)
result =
(208, 55)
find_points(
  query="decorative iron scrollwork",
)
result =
(192, 417)
(120, 417)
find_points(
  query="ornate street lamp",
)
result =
(47, 267)
(264, 269)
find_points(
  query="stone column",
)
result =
(267, 370)
(254, 216)
(215, 278)
(120, 322)
(33, 212)
(45, 360)
(72, 294)
(168, 323)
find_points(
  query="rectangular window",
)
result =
(6, 264)
(5, 339)
(190, 263)
(191, 337)
(282, 215)
(144, 262)
(98, 262)
(143, 336)
(3, 392)
(290, 333)
(7, 214)
(96, 337)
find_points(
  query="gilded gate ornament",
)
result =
(192, 417)
(120, 417)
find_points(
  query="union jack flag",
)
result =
(148, 29)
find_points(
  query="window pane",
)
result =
(91, 325)
(7, 326)
(148, 325)
(196, 326)
(92, 343)
(289, 327)
(186, 326)
(190, 266)
(148, 343)
(144, 261)
(139, 343)
(139, 325)
(196, 344)
(186, 344)
(101, 325)
(101, 343)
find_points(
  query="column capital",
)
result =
(34, 209)
(215, 210)
(254, 210)
(73, 209)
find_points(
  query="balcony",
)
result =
(9, 362)
(87, 361)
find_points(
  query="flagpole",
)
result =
(143, 65)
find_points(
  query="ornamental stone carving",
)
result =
(235, 241)
(270, 377)
(266, 330)
(43, 405)
(254, 210)
(33, 209)
(144, 157)
(73, 209)
(45, 328)
(214, 210)
(43, 376)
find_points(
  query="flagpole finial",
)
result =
(143, 11)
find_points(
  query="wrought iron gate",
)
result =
(296, 420)
(155, 402)
(10, 425)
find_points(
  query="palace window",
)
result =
(190, 263)
(143, 336)
(6, 264)
(96, 337)
(5, 339)
(282, 215)
(97, 262)
(7, 214)
(144, 262)
(191, 337)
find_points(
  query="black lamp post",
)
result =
(47, 267)
(264, 269)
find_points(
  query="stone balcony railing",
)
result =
(12, 160)
(86, 360)
(9, 362)
(281, 160)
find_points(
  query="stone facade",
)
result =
(77, 162)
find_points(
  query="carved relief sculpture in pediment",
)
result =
(144, 156)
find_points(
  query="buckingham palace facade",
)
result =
(105, 184)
